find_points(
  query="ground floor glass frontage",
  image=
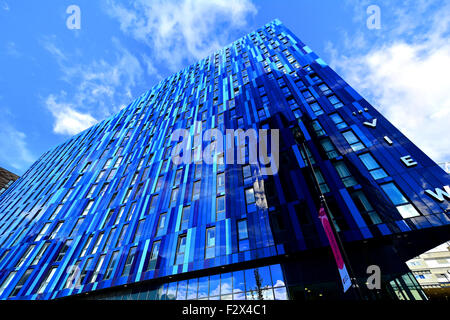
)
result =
(263, 283)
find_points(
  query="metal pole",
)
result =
(336, 234)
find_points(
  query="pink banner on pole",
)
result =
(346, 283)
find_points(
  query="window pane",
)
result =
(161, 224)
(192, 289)
(210, 237)
(246, 171)
(369, 161)
(242, 229)
(250, 282)
(407, 211)
(264, 276)
(226, 283)
(185, 217)
(172, 291)
(182, 289)
(378, 174)
(394, 194)
(203, 287)
(214, 285)
(249, 196)
(280, 293)
(277, 275)
(238, 281)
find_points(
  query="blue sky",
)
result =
(55, 82)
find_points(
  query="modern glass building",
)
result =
(108, 215)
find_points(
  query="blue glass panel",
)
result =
(203, 287)
(238, 281)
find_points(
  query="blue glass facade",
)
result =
(109, 208)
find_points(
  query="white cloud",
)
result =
(11, 49)
(67, 119)
(101, 89)
(4, 5)
(14, 147)
(405, 75)
(179, 31)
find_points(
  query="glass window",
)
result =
(322, 184)
(249, 196)
(21, 282)
(226, 283)
(344, 174)
(97, 268)
(335, 101)
(86, 246)
(329, 148)
(119, 214)
(372, 165)
(185, 217)
(153, 204)
(7, 281)
(338, 121)
(55, 213)
(161, 224)
(25, 256)
(131, 211)
(316, 108)
(221, 183)
(214, 285)
(394, 193)
(405, 209)
(110, 238)
(250, 281)
(318, 128)
(43, 231)
(220, 162)
(40, 254)
(159, 183)
(76, 227)
(121, 238)
(97, 243)
(87, 208)
(353, 140)
(173, 197)
(308, 96)
(129, 261)
(196, 191)
(127, 195)
(192, 289)
(102, 191)
(220, 208)
(178, 176)
(264, 276)
(277, 276)
(280, 293)
(111, 265)
(139, 190)
(108, 218)
(307, 156)
(243, 235)
(181, 248)
(182, 290)
(325, 89)
(247, 173)
(203, 286)
(210, 242)
(154, 255)
(86, 269)
(198, 169)
(138, 232)
(366, 209)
